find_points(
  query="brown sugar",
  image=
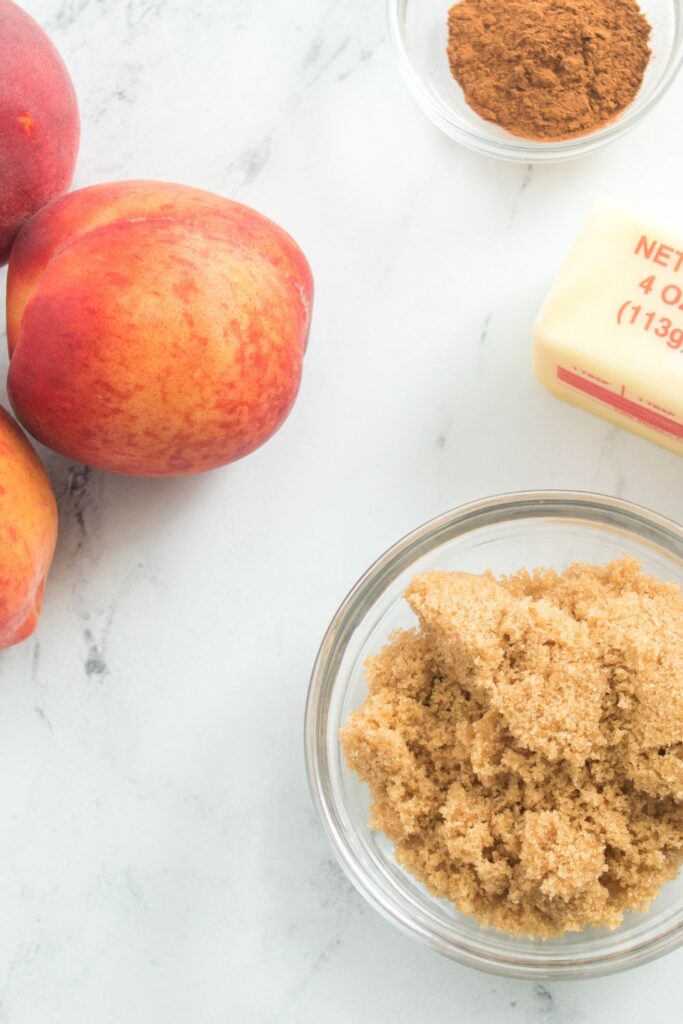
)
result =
(548, 69)
(524, 745)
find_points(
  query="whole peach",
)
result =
(154, 329)
(39, 124)
(28, 532)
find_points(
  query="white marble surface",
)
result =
(160, 860)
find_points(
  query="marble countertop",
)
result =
(161, 858)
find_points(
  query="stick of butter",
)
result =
(609, 336)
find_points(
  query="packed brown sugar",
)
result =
(524, 745)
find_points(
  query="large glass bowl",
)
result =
(503, 534)
(419, 32)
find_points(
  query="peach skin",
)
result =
(39, 123)
(154, 329)
(28, 532)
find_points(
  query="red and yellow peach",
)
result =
(39, 123)
(155, 329)
(28, 532)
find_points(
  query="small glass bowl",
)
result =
(538, 528)
(419, 32)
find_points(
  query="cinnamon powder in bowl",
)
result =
(538, 94)
(548, 69)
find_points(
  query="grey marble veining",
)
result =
(161, 860)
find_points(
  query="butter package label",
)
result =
(609, 336)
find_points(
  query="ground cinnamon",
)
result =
(548, 69)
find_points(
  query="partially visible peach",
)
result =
(154, 329)
(39, 123)
(28, 533)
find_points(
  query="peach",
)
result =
(39, 123)
(154, 329)
(28, 532)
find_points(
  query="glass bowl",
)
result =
(419, 32)
(503, 534)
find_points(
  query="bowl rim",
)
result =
(565, 504)
(517, 149)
